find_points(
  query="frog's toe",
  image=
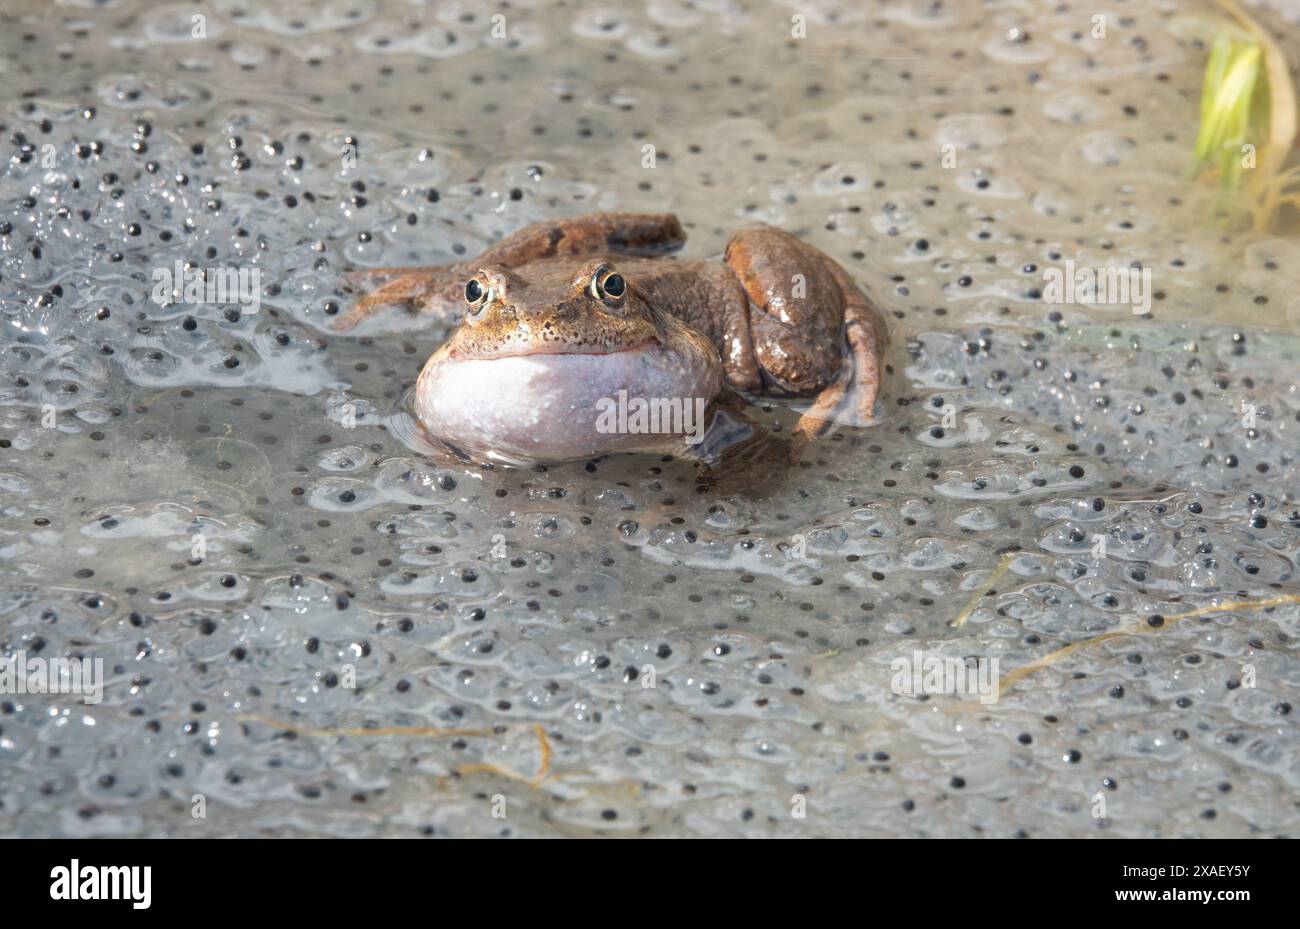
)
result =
(851, 399)
(864, 350)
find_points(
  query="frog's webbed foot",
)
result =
(737, 455)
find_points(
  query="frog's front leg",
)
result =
(439, 290)
(813, 330)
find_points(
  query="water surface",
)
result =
(321, 632)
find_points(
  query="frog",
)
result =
(562, 328)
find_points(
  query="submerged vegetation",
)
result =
(1248, 121)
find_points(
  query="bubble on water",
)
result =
(1016, 45)
(601, 23)
(1106, 149)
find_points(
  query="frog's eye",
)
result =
(475, 294)
(608, 285)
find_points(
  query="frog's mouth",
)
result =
(553, 349)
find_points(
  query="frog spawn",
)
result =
(696, 658)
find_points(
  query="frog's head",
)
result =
(542, 353)
(594, 310)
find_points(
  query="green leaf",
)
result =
(1233, 107)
